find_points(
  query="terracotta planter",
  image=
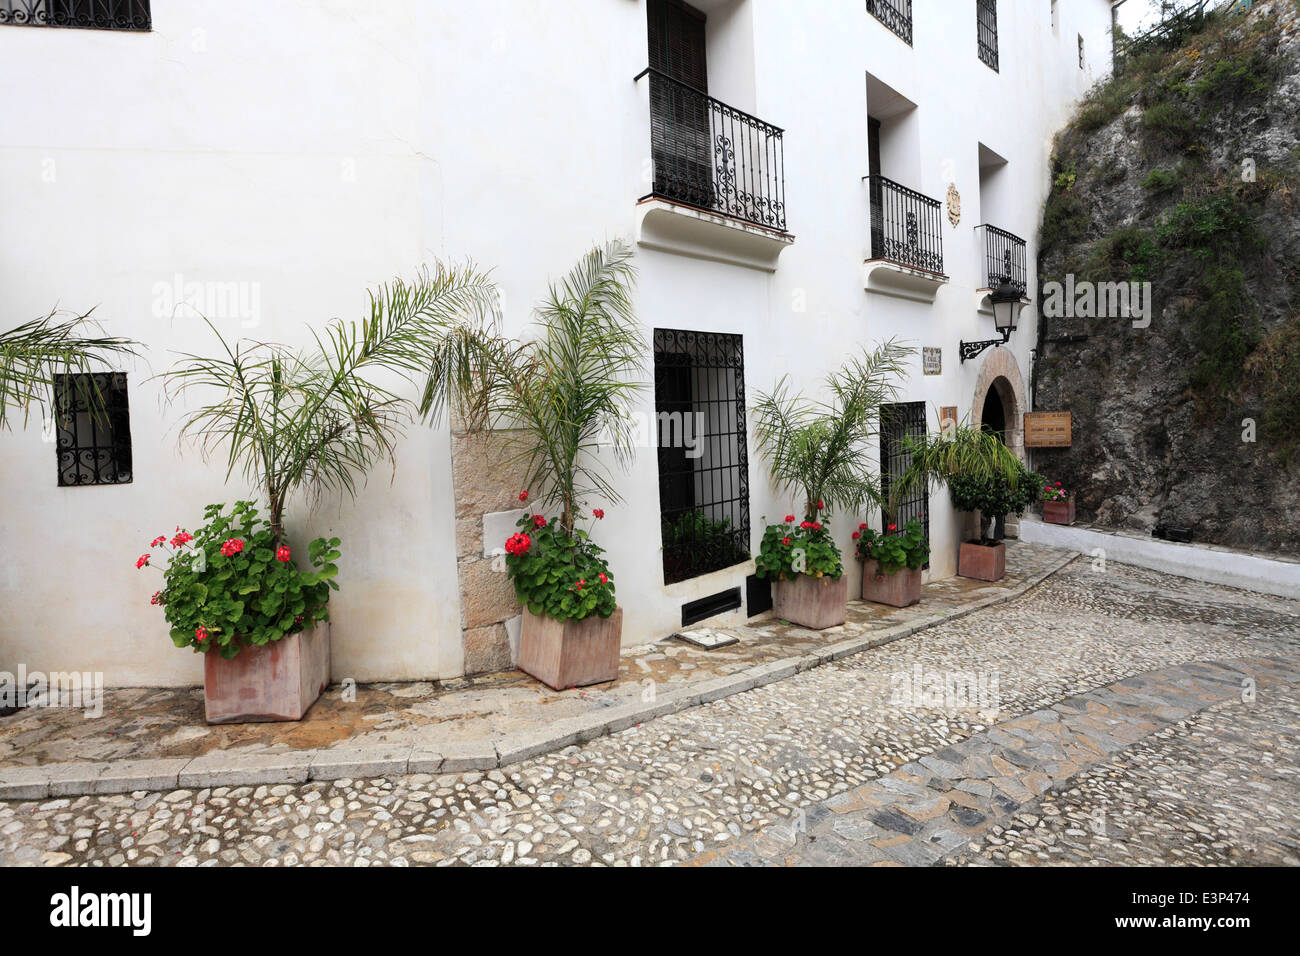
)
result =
(277, 681)
(900, 589)
(1059, 512)
(563, 654)
(811, 602)
(982, 561)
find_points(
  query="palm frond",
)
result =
(34, 354)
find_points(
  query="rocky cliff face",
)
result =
(1183, 172)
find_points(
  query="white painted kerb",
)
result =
(1200, 562)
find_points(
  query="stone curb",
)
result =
(221, 769)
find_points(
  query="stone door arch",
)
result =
(1000, 376)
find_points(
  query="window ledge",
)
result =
(687, 231)
(885, 277)
(710, 582)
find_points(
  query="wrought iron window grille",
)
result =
(896, 15)
(906, 226)
(132, 15)
(896, 421)
(94, 448)
(713, 156)
(702, 453)
(986, 31)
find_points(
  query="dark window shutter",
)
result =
(677, 42)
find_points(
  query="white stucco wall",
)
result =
(310, 150)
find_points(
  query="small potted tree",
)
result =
(892, 562)
(558, 398)
(983, 476)
(1058, 504)
(295, 421)
(820, 449)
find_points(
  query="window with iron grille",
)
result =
(986, 31)
(83, 14)
(703, 458)
(94, 429)
(895, 14)
(896, 421)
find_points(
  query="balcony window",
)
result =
(894, 14)
(906, 227)
(703, 459)
(83, 14)
(1004, 258)
(986, 31)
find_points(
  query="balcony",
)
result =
(906, 242)
(97, 15)
(894, 14)
(1004, 261)
(718, 181)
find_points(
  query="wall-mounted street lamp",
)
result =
(1006, 306)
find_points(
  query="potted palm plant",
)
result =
(892, 562)
(819, 450)
(292, 421)
(983, 476)
(1058, 504)
(558, 397)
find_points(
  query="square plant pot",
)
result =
(812, 602)
(900, 589)
(563, 654)
(984, 562)
(277, 681)
(1059, 512)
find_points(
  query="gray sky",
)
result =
(1138, 15)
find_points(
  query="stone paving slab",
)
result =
(942, 804)
(472, 725)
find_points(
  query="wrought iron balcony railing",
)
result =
(1004, 258)
(986, 31)
(906, 227)
(86, 14)
(895, 14)
(713, 156)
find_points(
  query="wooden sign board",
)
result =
(1048, 429)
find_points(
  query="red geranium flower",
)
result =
(863, 526)
(603, 578)
(518, 544)
(539, 521)
(141, 561)
(820, 506)
(157, 598)
(598, 512)
(856, 535)
(786, 542)
(158, 540)
(805, 524)
(182, 537)
(200, 633)
(282, 553)
(817, 525)
(789, 518)
(523, 496)
(232, 547)
(893, 527)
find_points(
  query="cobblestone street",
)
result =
(1212, 780)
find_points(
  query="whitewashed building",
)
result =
(799, 178)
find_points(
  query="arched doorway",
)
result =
(994, 416)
